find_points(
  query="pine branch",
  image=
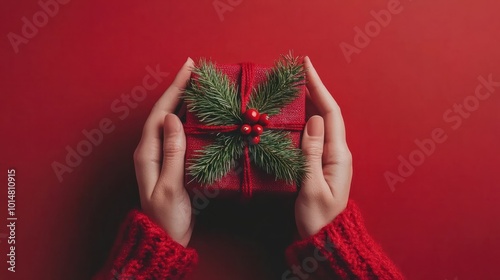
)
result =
(281, 86)
(212, 96)
(217, 159)
(276, 155)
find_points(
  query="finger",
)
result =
(326, 106)
(148, 154)
(337, 160)
(312, 147)
(317, 90)
(170, 99)
(171, 179)
(147, 163)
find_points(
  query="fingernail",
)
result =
(172, 124)
(315, 126)
(307, 58)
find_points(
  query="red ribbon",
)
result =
(247, 84)
(247, 79)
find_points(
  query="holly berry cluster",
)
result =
(254, 125)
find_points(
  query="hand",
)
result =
(324, 194)
(159, 167)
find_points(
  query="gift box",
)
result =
(245, 178)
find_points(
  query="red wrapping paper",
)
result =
(231, 184)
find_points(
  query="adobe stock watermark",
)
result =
(48, 9)
(309, 265)
(223, 6)
(363, 37)
(121, 108)
(453, 117)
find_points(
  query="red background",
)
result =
(440, 223)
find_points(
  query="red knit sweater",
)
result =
(341, 250)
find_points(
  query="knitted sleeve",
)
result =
(341, 250)
(143, 250)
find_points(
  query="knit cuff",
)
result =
(144, 250)
(342, 249)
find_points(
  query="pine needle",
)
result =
(281, 86)
(217, 159)
(212, 97)
(276, 155)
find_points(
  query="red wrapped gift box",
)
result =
(291, 117)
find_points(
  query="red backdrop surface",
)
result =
(396, 83)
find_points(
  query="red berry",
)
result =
(245, 129)
(254, 140)
(257, 129)
(264, 119)
(251, 116)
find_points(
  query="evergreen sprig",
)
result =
(276, 155)
(212, 96)
(216, 159)
(214, 99)
(281, 86)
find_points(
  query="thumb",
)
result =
(312, 147)
(174, 148)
